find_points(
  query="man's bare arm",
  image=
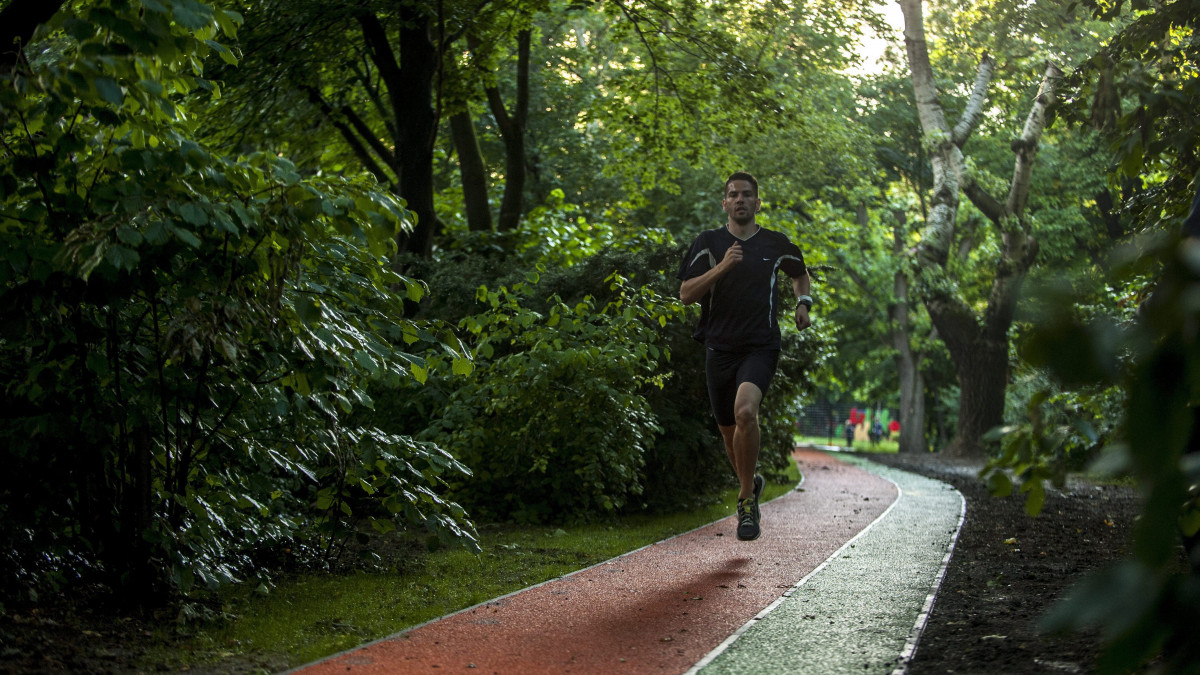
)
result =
(692, 290)
(802, 285)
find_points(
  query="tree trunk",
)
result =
(908, 361)
(512, 130)
(473, 173)
(417, 122)
(410, 91)
(982, 368)
(978, 345)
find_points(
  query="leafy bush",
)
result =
(552, 423)
(683, 464)
(184, 335)
(1148, 607)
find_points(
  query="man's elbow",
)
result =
(686, 295)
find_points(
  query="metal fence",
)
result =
(828, 420)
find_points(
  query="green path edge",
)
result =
(864, 608)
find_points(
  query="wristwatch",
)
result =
(805, 300)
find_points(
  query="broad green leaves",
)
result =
(1155, 360)
(552, 421)
(187, 335)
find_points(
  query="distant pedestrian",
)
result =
(876, 432)
(849, 431)
(732, 272)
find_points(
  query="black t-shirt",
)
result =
(738, 312)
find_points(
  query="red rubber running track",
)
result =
(659, 609)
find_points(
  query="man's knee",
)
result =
(746, 415)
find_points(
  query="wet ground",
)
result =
(1007, 569)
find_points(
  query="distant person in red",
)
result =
(731, 271)
(893, 429)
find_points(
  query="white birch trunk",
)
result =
(977, 344)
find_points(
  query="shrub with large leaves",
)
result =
(553, 423)
(185, 334)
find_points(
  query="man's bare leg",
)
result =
(743, 438)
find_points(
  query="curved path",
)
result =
(840, 581)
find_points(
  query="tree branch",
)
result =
(380, 51)
(1026, 146)
(974, 110)
(521, 113)
(18, 21)
(372, 139)
(991, 207)
(352, 139)
(929, 107)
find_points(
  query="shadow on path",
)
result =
(658, 609)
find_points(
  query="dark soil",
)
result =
(1007, 570)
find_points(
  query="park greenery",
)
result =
(282, 280)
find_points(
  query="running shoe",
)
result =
(747, 529)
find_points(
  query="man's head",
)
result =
(741, 175)
(741, 200)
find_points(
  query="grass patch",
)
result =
(312, 615)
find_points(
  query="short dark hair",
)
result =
(741, 175)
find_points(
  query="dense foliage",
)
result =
(588, 397)
(1123, 357)
(184, 332)
(255, 306)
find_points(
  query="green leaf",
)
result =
(129, 235)
(383, 526)
(463, 366)
(229, 349)
(1189, 522)
(186, 236)
(1036, 498)
(79, 29)
(229, 21)
(223, 52)
(121, 257)
(190, 15)
(156, 233)
(364, 359)
(97, 364)
(109, 90)
(192, 214)
(999, 484)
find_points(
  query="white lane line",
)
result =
(709, 657)
(910, 647)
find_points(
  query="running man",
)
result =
(731, 272)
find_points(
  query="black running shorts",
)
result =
(726, 371)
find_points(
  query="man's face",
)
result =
(741, 202)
